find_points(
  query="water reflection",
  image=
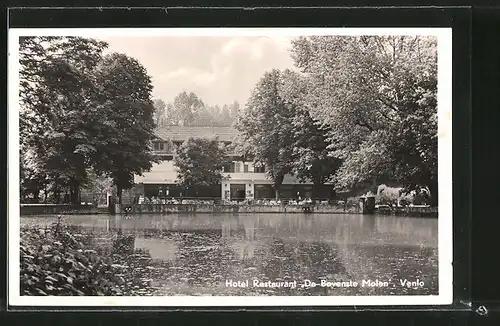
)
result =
(198, 254)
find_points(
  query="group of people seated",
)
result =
(171, 201)
(264, 201)
(267, 202)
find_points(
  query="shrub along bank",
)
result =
(61, 260)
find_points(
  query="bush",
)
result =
(392, 196)
(57, 261)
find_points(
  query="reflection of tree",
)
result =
(408, 227)
(115, 223)
(249, 226)
(225, 231)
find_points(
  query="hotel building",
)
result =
(242, 180)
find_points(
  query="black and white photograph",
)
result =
(230, 167)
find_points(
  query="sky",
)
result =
(219, 69)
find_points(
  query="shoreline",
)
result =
(193, 209)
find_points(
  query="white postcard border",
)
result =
(445, 220)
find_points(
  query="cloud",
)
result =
(218, 69)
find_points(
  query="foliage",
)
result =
(388, 196)
(80, 110)
(199, 163)
(267, 126)
(279, 132)
(188, 109)
(124, 120)
(57, 92)
(376, 91)
(99, 185)
(160, 115)
(64, 260)
(53, 262)
(31, 180)
(185, 109)
(311, 160)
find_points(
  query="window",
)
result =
(236, 166)
(156, 146)
(260, 169)
(245, 168)
(161, 146)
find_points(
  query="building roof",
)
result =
(181, 133)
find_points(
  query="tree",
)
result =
(235, 111)
(170, 113)
(312, 158)
(225, 117)
(32, 181)
(266, 125)
(124, 121)
(378, 94)
(98, 185)
(204, 118)
(186, 108)
(160, 116)
(57, 90)
(199, 164)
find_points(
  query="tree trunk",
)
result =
(333, 194)
(57, 196)
(317, 183)
(119, 192)
(315, 191)
(277, 192)
(74, 193)
(277, 184)
(374, 186)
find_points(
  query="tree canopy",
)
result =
(57, 93)
(311, 159)
(160, 115)
(187, 109)
(266, 126)
(80, 110)
(124, 120)
(378, 95)
(279, 132)
(199, 164)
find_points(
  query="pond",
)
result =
(274, 254)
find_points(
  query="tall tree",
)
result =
(378, 93)
(186, 108)
(124, 121)
(312, 158)
(199, 163)
(203, 118)
(266, 125)
(160, 115)
(225, 117)
(57, 92)
(235, 111)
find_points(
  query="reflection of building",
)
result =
(242, 178)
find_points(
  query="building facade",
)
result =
(242, 180)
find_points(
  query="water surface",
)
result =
(207, 254)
